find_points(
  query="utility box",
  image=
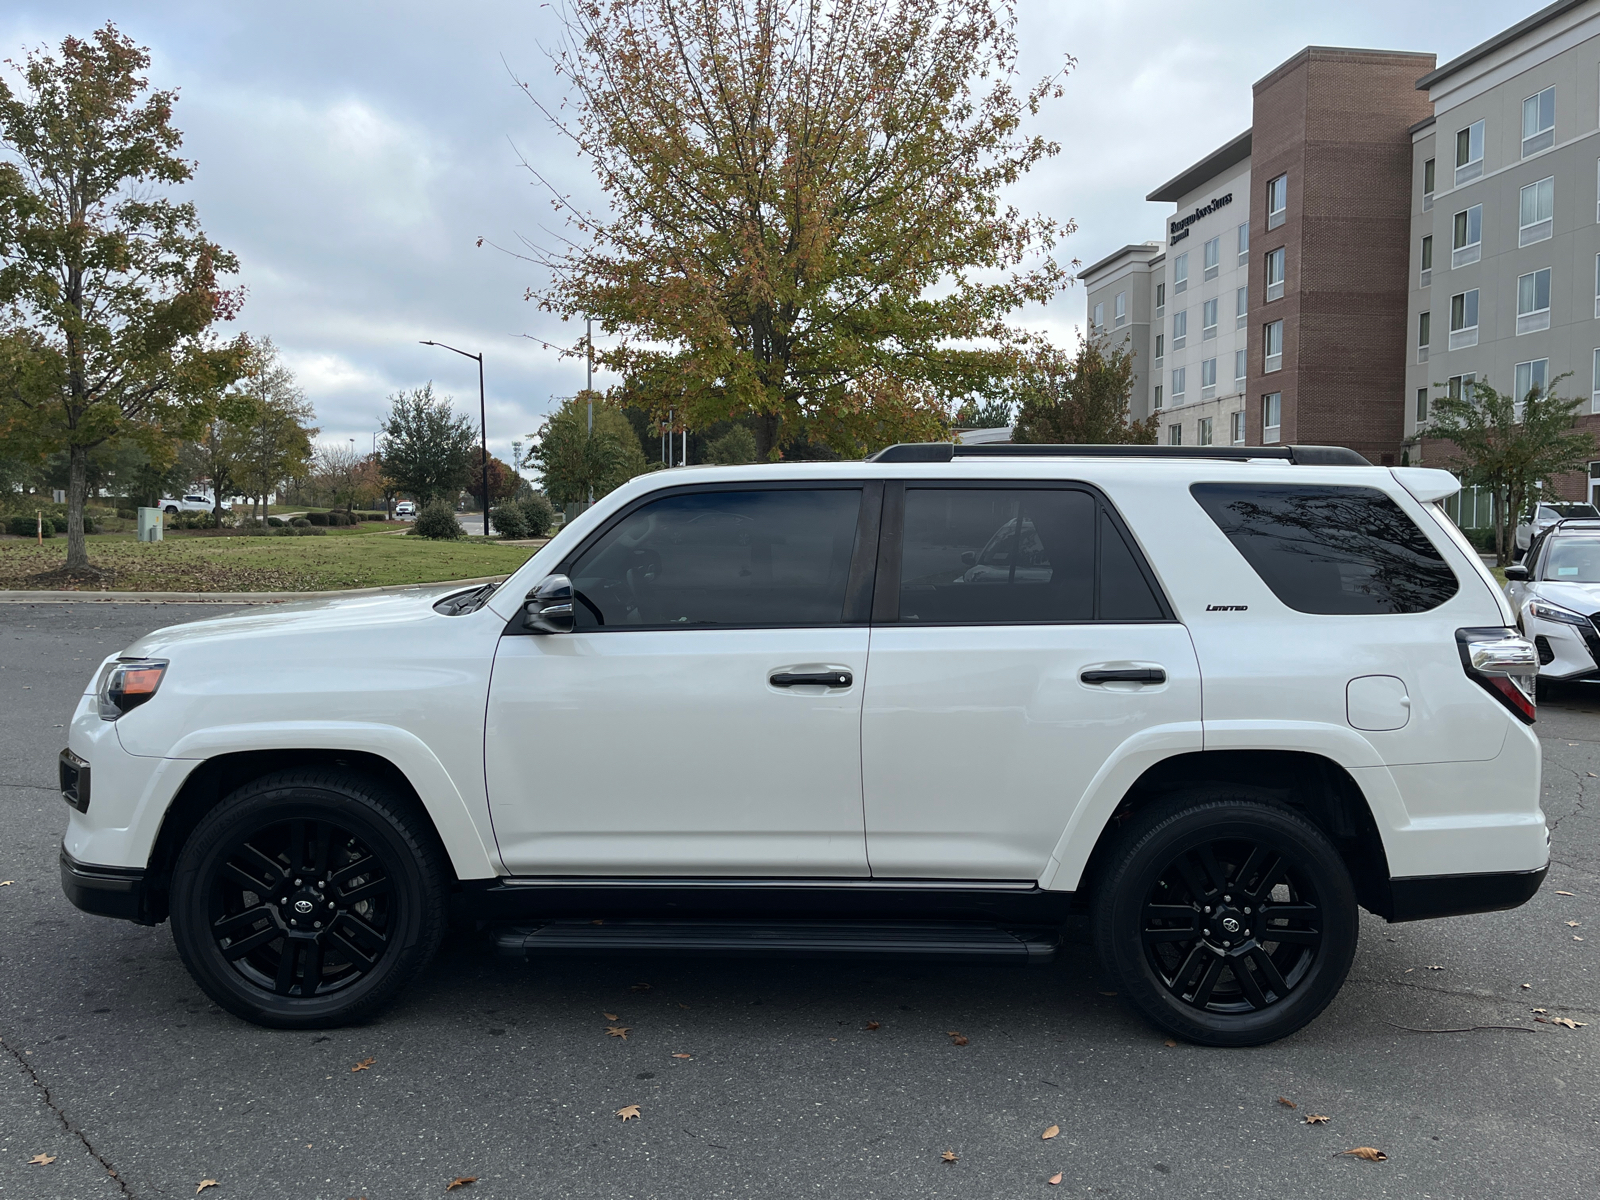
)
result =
(150, 524)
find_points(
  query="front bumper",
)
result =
(119, 892)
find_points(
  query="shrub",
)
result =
(372, 516)
(276, 522)
(733, 448)
(538, 514)
(438, 521)
(317, 518)
(509, 521)
(300, 522)
(128, 514)
(27, 527)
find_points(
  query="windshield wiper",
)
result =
(465, 602)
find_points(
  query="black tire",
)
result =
(171, 510)
(321, 868)
(1183, 868)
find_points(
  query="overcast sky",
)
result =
(353, 153)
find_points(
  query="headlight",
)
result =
(1546, 611)
(128, 683)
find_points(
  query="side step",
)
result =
(895, 939)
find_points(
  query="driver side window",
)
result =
(763, 557)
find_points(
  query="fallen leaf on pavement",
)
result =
(1169, 1043)
(639, 987)
(204, 1184)
(41, 1160)
(620, 1031)
(364, 1065)
(1576, 938)
(6, 882)
(874, 1025)
(1565, 893)
(683, 1056)
(628, 1112)
(1572, 924)
(956, 1039)
(460, 1181)
(1564, 1022)
(1108, 993)
(1366, 1152)
(948, 1156)
(611, 1016)
(1054, 1179)
(1049, 1133)
(1435, 967)
(1286, 1102)
(1540, 1010)
(1316, 1119)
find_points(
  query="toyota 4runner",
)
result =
(931, 704)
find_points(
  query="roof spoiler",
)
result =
(940, 452)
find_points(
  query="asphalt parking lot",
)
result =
(764, 1078)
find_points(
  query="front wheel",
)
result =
(307, 899)
(1226, 922)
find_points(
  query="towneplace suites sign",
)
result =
(1179, 229)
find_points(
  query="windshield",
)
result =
(1552, 512)
(1573, 560)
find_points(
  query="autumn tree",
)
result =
(577, 465)
(1511, 445)
(427, 447)
(1080, 399)
(113, 282)
(805, 225)
(276, 440)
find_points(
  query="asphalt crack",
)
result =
(1578, 800)
(66, 1124)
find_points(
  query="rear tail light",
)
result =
(1504, 663)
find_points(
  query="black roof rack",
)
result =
(930, 452)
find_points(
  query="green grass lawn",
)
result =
(349, 557)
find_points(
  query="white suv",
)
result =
(933, 703)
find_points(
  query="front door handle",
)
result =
(1126, 675)
(833, 679)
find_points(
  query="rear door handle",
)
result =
(833, 679)
(1126, 675)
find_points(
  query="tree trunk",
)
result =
(77, 486)
(766, 435)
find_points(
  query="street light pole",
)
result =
(483, 429)
(588, 387)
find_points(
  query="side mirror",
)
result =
(969, 557)
(548, 608)
(1516, 574)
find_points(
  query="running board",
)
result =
(884, 939)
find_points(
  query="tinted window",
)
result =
(778, 557)
(1330, 549)
(1007, 556)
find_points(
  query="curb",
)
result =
(65, 597)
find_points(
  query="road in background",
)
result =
(114, 1060)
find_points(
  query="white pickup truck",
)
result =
(190, 502)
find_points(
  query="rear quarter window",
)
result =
(1349, 551)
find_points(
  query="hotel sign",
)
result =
(1179, 229)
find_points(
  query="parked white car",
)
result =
(1545, 515)
(1222, 698)
(191, 502)
(1555, 592)
(405, 510)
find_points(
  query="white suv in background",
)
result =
(933, 704)
(1555, 592)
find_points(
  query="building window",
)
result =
(1277, 201)
(1161, 298)
(1594, 386)
(1244, 243)
(1241, 357)
(1459, 387)
(1422, 406)
(1427, 185)
(1238, 428)
(1208, 320)
(1271, 416)
(1272, 341)
(1528, 376)
(1208, 379)
(1160, 338)
(1174, 435)
(1213, 251)
(1119, 308)
(1098, 320)
(1536, 211)
(1427, 262)
(1180, 274)
(1179, 375)
(1424, 335)
(1157, 404)
(1180, 328)
(1597, 285)
(1202, 433)
(1466, 245)
(1539, 122)
(1469, 152)
(1533, 301)
(1275, 271)
(1464, 320)
(1241, 307)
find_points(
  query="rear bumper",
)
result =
(1421, 897)
(108, 891)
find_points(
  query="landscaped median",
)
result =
(270, 564)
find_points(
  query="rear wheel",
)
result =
(1226, 922)
(307, 899)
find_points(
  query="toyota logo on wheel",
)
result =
(303, 907)
(1228, 923)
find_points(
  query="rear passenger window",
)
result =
(1003, 556)
(1331, 550)
(778, 557)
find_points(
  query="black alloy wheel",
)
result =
(1226, 922)
(307, 899)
